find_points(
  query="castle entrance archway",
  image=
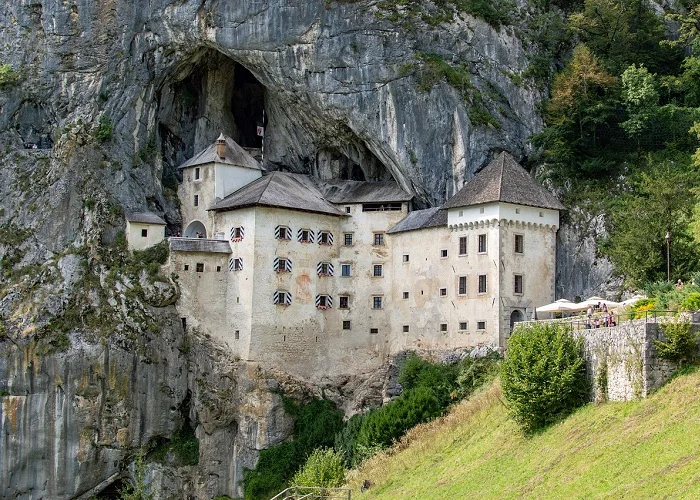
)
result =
(515, 317)
(195, 229)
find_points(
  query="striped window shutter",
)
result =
(276, 264)
(235, 264)
(330, 238)
(319, 268)
(231, 264)
(331, 270)
(329, 301)
(277, 235)
(318, 300)
(288, 266)
(282, 298)
(233, 233)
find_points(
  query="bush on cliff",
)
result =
(543, 375)
(323, 469)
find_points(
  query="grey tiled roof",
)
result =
(145, 218)
(504, 180)
(235, 155)
(420, 219)
(199, 245)
(280, 189)
(342, 191)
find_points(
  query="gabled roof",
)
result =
(421, 219)
(504, 180)
(145, 218)
(282, 190)
(343, 191)
(234, 155)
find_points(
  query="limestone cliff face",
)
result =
(124, 91)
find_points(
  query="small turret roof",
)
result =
(281, 190)
(504, 180)
(234, 155)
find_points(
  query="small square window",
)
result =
(374, 331)
(463, 325)
(346, 325)
(482, 243)
(378, 239)
(343, 302)
(482, 283)
(237, 334)
(443, 253)
(462, 289)
(196, 200)
(378, 270)
(405, 257)
(481, 210)
(462, 245)
(443, 327)
(461, 213)
(443, 292)
(481, 325)
(283, 233)
(517, 210)
(541, 214)
(186, 267)
(348, 237)
(405, 295)
(237, 234)
(144, 233)
(200, 267)
(196, 173)
(519, 243)
(325, 238)
(345, 270)
(218, 269)
(405, 328)
(347, 210)
(376, 302)
(518, 284)
(305, 236)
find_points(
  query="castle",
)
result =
(328, 277)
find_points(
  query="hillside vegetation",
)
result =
(638, 449)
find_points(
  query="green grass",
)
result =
(642, 449)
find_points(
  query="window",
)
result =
(325, 238)
(144, 233)
(305, 236)
(481, 325)
(378, 239)
(405, 328)
(443, 253)
(235, 264)
(343, 302)
(519, 243)
(196, 200)
(377, 302)
(541, 214)
(461, 213)
(373, 331)
(347, 210)
(282, 265)
(405, 295)
(196, 173)
(482, 243)
(462, 245)
(518, 284)
(237, 334)
(346, 325)
(406, 257)
(347, 239)
(237, 233)
(325, 269)
(200, 267)
(324, 302)
(381, 207)
(517, 210)
(463, 325)
(218, 269)
(481, 210)
(482, 283)
(377, 270)
(346, 270)
(283, 233)
(443, 292)
(443, 327)
(282, 298)
(462, 289)
(186, 267)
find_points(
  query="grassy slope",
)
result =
(641, 449)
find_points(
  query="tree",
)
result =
(323, 469)
(641, 98)
(543, 375)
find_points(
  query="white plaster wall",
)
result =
(204, 187)
(498, 211)
(134, 240)
(230, 178)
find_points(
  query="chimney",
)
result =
(221, 146)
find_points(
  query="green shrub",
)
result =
(681, 344)
(105, 129)
(8, 76)
(345, 441)
(323, 469)
(316, 425)
(184, 446)
(691, 302)
(543, 375)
